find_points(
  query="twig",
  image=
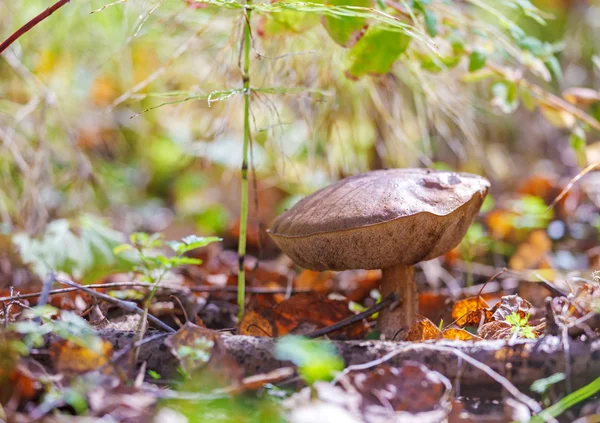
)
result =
(33, 22)
(355, 318)
(45, 294)
(183, 289)
(125, 305)
(122, 353)
(506, 384)
(46, 289)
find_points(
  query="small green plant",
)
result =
(316, 360)
(154, 266)
(520, 326)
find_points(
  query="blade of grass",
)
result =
(568, 402)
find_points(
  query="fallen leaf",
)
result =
(256, 323)
(459, 335)
(299, 315)
(462, 311)
(358, 284)
(411, 388)
(73, 359)
(511, 304)
(434, 306)
(423, 330)
(580, 96)
(495, 330)
(252, 383)
(201, 349)
(321, 282)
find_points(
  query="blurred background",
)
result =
(128, 116)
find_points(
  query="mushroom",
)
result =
(384, 219)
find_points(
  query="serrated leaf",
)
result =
(376, 51)
(191, 242)
(477, 60)
(345, 30)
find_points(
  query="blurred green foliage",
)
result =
(316, 360)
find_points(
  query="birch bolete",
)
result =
(384, 219)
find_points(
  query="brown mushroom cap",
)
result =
(379, 219)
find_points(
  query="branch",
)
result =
(167, 287)
(125, 305)
(25, 28)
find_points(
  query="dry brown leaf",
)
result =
(495, 330)
(199, 348)
(434, 306)
(557, 117)
(301, 314)
(321, 282)
(252, 383)
(358, 284)
(532, 253)
(423, 330)
(459, 335)
(580, 96)
(71, 358)
(510, 304)
(254, 323)
(462, 312)
(500, 223)
(412, 388)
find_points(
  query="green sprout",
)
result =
(520, 326)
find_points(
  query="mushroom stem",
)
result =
(395, 323)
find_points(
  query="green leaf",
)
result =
(316, 360)
(596, 61)
(191, 242)
(289, 21)
(345, 30)
(553, 66)
(477, 60)
(505, 96)
(457, 41)
(541, 386)
(122, 248)
(437, 64)
(527, 99)
(578, 144)
(376, 51)
(430, 22)
(567, 402)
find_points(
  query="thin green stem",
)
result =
(244, 199)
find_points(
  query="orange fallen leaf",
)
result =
(256, 323)
(301, 314)
(321, 282)
(423, 330)
(459, 335)
(71, 358)
(462, 311)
